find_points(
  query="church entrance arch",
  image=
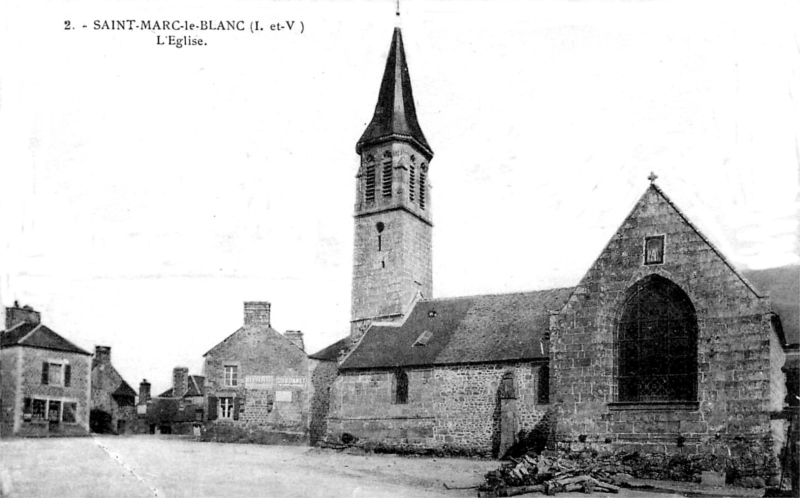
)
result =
(657, 344)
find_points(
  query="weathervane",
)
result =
(652, 176)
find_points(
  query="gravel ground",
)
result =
(162, 466)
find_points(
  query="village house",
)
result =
(662, 345)
(178, 410)
(45, 380)
(257, 378)
(113, 407)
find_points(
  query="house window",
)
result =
(226, 407)
(400, 387)
(231, 375)
(38, 409)
(56, 374)
(654, 250)
(657, 344)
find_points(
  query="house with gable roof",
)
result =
(45, 380)
(113, 399)
(258, 378)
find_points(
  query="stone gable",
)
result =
(734, 342)
(272, 380)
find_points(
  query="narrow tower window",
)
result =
(370, 191)
(422, 189)
(412, 183)
(379, 227)
(386, 179)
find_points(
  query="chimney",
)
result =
(180, 381)
(256, 313)
(102, 355)
(25, 314)
(144, 392)
(296, 337)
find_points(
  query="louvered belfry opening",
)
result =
(422, 189)
(370, 181)
(386, 178)
(657, 344)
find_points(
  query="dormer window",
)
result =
(423, 339)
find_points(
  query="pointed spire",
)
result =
(395, 115)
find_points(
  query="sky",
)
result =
(149, 190)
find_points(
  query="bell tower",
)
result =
(392, 250)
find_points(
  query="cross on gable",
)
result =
(652, 177)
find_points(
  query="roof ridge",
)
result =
(20, 324)
(473, 296)
(26, 336)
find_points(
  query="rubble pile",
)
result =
(553, 472)
(549, 475)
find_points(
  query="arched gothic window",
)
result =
(400, 387)
(657, 344)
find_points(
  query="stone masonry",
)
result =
(106, 381)
(22, 378)
(739, 359)
(453, 405)
(270, 391)
(392, 250)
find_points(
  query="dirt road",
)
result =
(150, 466)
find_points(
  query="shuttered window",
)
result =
(212, 407)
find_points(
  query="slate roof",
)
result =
(124, 390)
(196, 386)
(267, 329)
(395, 114)
(783, 286)
(332, 352)
(37, 336)
(477, 329)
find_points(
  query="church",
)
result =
(663, 345)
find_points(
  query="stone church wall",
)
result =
(735, 347)
(323, 375)
(456, 406)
